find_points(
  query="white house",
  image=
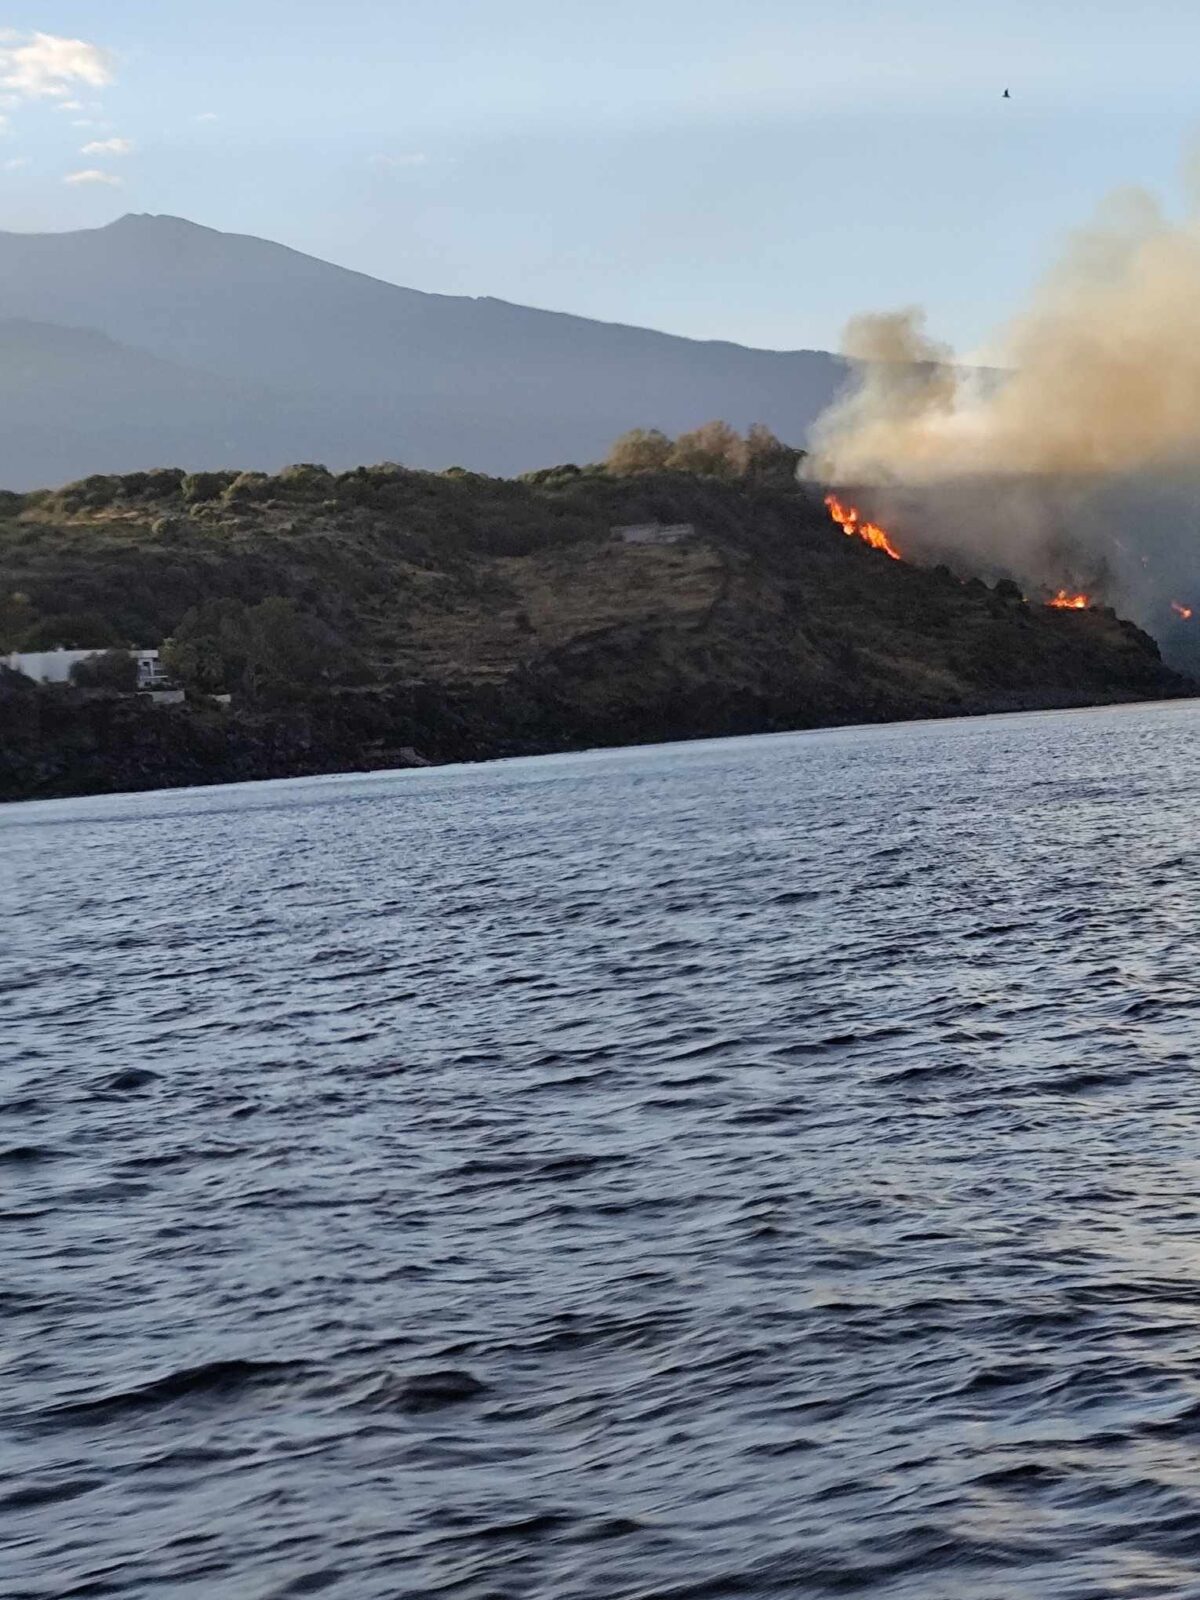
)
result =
(150, 670)
(54, 666)
(655, 532)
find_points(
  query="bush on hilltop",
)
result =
(714, 450)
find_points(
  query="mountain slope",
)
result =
(368, 370)
(72, 400)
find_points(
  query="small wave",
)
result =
(1009, 1376)
(774, 1448)
(532, 1169)
(1082, 1080)
(310, 1583)
(1185, 1424)
(1019, 1475)
(922, 1072)
(208, 1380)
(26, 1155)
(127, 1081)
(30, 1496)
(423, 1391)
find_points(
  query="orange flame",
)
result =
(1181, 611)
(1070, 602)
(850, 522)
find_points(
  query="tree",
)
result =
(199, 487)
(17, 617)
(768, 459)
(639, 450)
(714, 449)
(248, 487)
(210, 648)
(288, 649)
(79, 630)
(110, 669)
(271, 650)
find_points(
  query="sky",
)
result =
(757, 172)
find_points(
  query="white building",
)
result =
(655, 532)
(54, 666)
(150, 670)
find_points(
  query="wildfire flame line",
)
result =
(849, 520)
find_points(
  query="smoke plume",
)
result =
(1075, 459)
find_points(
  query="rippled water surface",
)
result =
(767, 1167)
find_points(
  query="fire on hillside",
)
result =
(855, 525)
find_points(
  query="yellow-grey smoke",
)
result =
(1100, 375)
(1071, 457)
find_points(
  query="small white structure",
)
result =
(655, 532)
(54, 666)
(150, 671)
(48, 666)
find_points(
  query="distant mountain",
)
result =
(223, 349)
(74, 402)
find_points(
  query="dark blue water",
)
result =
(758, 1168)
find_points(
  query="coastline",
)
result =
(187, 749)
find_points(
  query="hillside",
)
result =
(345, 367)
(360, 615)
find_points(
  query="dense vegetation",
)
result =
(354, 615)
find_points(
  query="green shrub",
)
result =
(198, 488)
(247, 488)
(639, 450)
(83, 630)
(305, 478)
(111, 669)
(89, 494)
(163, 483)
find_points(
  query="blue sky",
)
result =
(756, 172)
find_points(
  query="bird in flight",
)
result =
(1006, 95)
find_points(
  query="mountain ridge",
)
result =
(185, 226)
(357, 368)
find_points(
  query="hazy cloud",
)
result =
(107, 147)
(44, 66)
(93, 175)
(15, 163)
(208, 116)
(415, 158)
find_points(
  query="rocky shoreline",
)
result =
(57, 744)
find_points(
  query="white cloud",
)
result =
(208, 116)
(15, 163)
(416, 158)
(93, 175)
(107, 147)
(45, 66)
